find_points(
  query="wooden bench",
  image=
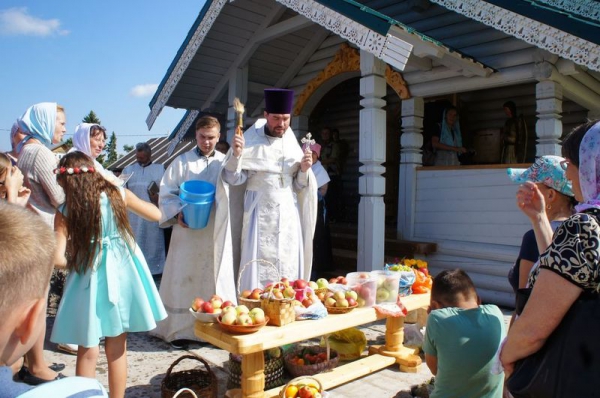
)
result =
(251, 346)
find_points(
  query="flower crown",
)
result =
(74, 170)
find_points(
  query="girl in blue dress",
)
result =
(109, 290)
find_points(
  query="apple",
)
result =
(361, 302)
(328, 294)
(351, 294)
(307, 302)
(207, 307)
(343, 281)
(313, 285)
(241, 309)
(333, 280)
(277, 294)
(351, 302)
(215, 297)
(364, 275)
(339, 295)
(322, 283)
(246, 293)
(382, 294)
(257, 315)
(297, 303)
(226, 304)
(285, 281)
(330, 302)
(216, 302)
(218, 311)
(365, 292)
(342, 303)
(321, 296)
(289, 292)
(255, 294)
(380, 282)
(274, 352)
(391, 284)
(243, 320)
(197, 304)
(300, 284)
(305, 392)
(230, 308)
(229, 317)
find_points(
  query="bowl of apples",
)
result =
(241, 319)
(341, 302)
(208, 311)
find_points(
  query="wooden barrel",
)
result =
(488, 146)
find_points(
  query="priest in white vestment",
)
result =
(280, 199)
(196, 266)
(144, 181)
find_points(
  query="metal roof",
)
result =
(160, 154)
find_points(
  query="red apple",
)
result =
(197, 304)
(207, 307)
(333, 280)
(277, 294)
(343, 281)
(227, 304)
(285, 281)
(307, 302)
(246, 293)
(255, 295)
(351, 302)
(300, 284)
(215, 297)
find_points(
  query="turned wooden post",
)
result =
(253, 375)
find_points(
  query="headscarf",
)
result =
(81, 138)
(39, 122)
(13, 131)
(446, 136)
(589, 167)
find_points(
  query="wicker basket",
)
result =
(250, 303)
(202, 382)
(340, 310)
(298, 380)
(280, 311)
(273, 372)
(308, 370)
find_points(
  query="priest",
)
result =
(277, 202)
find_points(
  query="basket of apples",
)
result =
(208, 311)
(306, 361)
(340, 302)
(241, 319)
(303, 387)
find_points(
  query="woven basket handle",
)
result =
(187, 357)
(185, 390)
(258, 260)
(282, 393)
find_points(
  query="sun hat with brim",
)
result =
(546, 170)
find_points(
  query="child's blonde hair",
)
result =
(26, 258)
(5, 163)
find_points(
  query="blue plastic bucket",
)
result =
(198, 197)
(194, 191)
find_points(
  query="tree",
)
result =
(91, 118)
(128, 148)
(111, 150)
(68, 144)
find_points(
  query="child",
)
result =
(462, 338)
(11, 183)
(109, 290)
(25, 266)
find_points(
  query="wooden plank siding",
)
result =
(472, 215)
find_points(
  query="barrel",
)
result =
(198, 197)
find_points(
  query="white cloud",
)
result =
(143, 90)
(17, 21)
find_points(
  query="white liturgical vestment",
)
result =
(279, 207)
(196, 265)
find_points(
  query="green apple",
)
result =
(243, 320)
(313, 285)
(322, 283)
(242, 309)
(339, 295)
(257, 315)
(274, 352)
(382, 294)
(342, 303)
(351, 294)
(361, 302)
(229, 317)
(330, 302)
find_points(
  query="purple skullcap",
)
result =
(279, 100)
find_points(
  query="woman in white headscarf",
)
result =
(42, 124)
(90, 138)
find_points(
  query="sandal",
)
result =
(26, 377)
(57, 367)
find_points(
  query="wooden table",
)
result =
(251, 346)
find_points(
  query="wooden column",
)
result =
(411, 142)
(548, 127)
(238, 87)
(253, 375)
(371, 184)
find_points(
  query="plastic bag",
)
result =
(413, 336)
(349, 343)
(315, 311)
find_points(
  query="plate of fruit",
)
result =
(242, 320)
(341, 302)
(208, 311)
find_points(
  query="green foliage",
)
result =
(111, 150)
(128, 148)
(68, 144)
(91, 118)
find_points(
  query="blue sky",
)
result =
(106, 56)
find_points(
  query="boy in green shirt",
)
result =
(462, 338)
